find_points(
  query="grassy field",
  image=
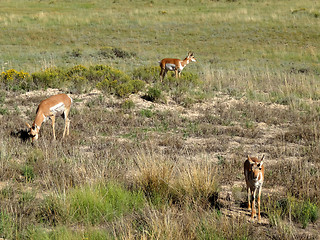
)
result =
(160, 160)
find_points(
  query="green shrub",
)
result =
(138, 85)
(3, 111)
(147, 74)
(28, 173)
(52, 211)
(119, 53)
(154, 94)
(102, 202)
(306, 212)
(128, 104)
(7, 225)
(146, 113)
(303, 212)
(185, 82)
(124, 89)
(77, 70)
(115, 81)
(106, 52)
(50, 77)
(80, 84)
(75, 53)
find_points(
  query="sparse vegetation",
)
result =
(160, 160)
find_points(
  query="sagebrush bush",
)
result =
(154, 94)
(117, 82)
(148, 74)
(80, 84)
(49, 78)
(138, 85)
(115, 52)
(124, 89)
(127, 105)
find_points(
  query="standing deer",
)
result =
(57, 105)
(174, 64)
(254, 175)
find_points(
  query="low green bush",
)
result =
(28, 173)
(127, 104)
(148, 74)
(300, 211)
(102, 202)
(124, 89)
(154, 94)
(7, 225)
(52, 211)
(49, 78)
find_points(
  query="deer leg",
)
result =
(253, 212)
(259, 195)
(176, 72)
(66, 122)
(249, 199)
(161, 73)
(53, 119)
(164, 73)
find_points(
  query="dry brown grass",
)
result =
(181, 160)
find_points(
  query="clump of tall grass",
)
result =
(292, 209)
(8, 228)
(163, 179)
(90, 204)
(102, 202)
(67, 233)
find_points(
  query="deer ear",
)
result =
(262, 157)
(28, 125)
(250, 160)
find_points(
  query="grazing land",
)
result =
(160, 160)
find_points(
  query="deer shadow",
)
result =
(23, 134)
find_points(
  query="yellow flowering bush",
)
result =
(12, 75)
(14, 80)
(76, 79)
(50, 77)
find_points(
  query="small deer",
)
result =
(254, 175)
(57, 105)
(174, 64)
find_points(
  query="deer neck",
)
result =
(183, 63)
(40, 118)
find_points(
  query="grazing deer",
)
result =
(254, 175)
(50, 108)
(174, 64)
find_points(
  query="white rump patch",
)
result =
(59, 108)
